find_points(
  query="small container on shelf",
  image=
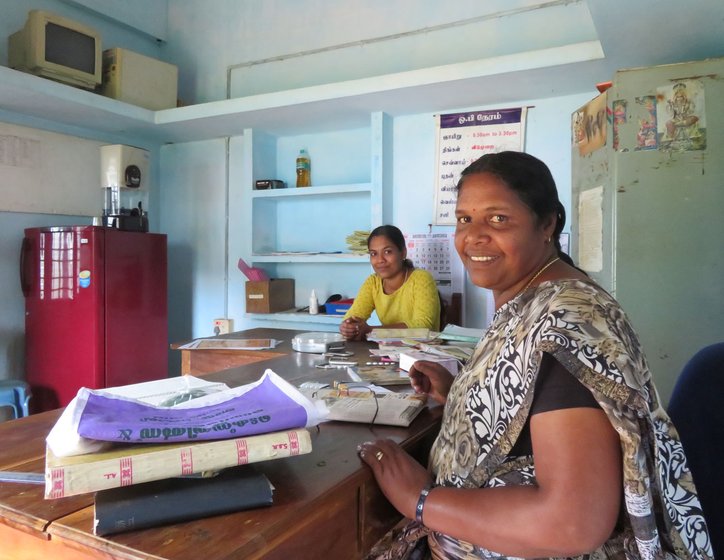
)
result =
(338, 307)
(304, 169)
(313, 303)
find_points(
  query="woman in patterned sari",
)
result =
(553, 441)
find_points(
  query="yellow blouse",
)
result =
(416, 303)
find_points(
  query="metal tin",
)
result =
(318, 342)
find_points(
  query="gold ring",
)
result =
(379, 455)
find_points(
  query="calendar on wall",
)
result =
(435, 252)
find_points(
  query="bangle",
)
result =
(421, 502)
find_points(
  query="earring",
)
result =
(548, 240)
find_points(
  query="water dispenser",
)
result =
(124, 176)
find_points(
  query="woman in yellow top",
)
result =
(402, 295)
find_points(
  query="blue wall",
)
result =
(12, 311)
(192, 202)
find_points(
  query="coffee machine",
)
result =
(125, 181)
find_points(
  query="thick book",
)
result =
(174, 500)
(135, 464)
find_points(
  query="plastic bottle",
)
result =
(304, 167)
(313, 303)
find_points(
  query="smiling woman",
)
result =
(402, 296)
(508, 226)
(553, 441)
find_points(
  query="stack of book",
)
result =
(140, 486)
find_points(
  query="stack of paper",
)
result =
(409, 357)
(462, 334)
(379, 375)
(357, 242)
(365, 405)
(384, 335)
(157, 432)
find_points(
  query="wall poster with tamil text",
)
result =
(464, 137)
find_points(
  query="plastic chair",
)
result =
(697, 412)
(16, 395)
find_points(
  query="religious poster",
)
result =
(646, 119)
(464, 137)
(682, 121)
(589, 126)
(619, 119)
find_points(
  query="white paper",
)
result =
(590, 230)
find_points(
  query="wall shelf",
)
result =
(40, 98)
(337, 258)
(312, 191)
(296, 317)
(301, 233)
(556, 71)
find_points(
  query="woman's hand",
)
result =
(354, 328)
(432, 379)
(399, 476)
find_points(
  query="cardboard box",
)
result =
(270, 296)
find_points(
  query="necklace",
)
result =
(407, 271)
(537, 274)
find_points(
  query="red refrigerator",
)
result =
(95, 310)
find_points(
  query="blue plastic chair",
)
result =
(697, 412)
(16, 395)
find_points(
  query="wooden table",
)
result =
(200, 361)
(326, 503)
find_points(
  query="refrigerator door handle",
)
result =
(26, 266)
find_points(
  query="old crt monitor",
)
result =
(58, 48)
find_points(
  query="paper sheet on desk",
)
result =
(231, 344)
(268, 405)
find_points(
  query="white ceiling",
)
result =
(514, 50)
(637, 33)
(478, 53)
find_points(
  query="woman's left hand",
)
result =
(400, 477)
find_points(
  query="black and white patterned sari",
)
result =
(587, 332)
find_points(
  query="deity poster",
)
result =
(681, 116)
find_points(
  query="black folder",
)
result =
(173, 500)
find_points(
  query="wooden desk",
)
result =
(200, 361)
(326, 503)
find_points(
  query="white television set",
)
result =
(59, 48)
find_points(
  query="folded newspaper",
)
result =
(185, 409)
(365, 404)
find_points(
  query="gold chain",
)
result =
(537, 274)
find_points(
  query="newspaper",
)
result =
(268, 405)
(364, 405)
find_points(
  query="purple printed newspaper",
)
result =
(268, 405)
